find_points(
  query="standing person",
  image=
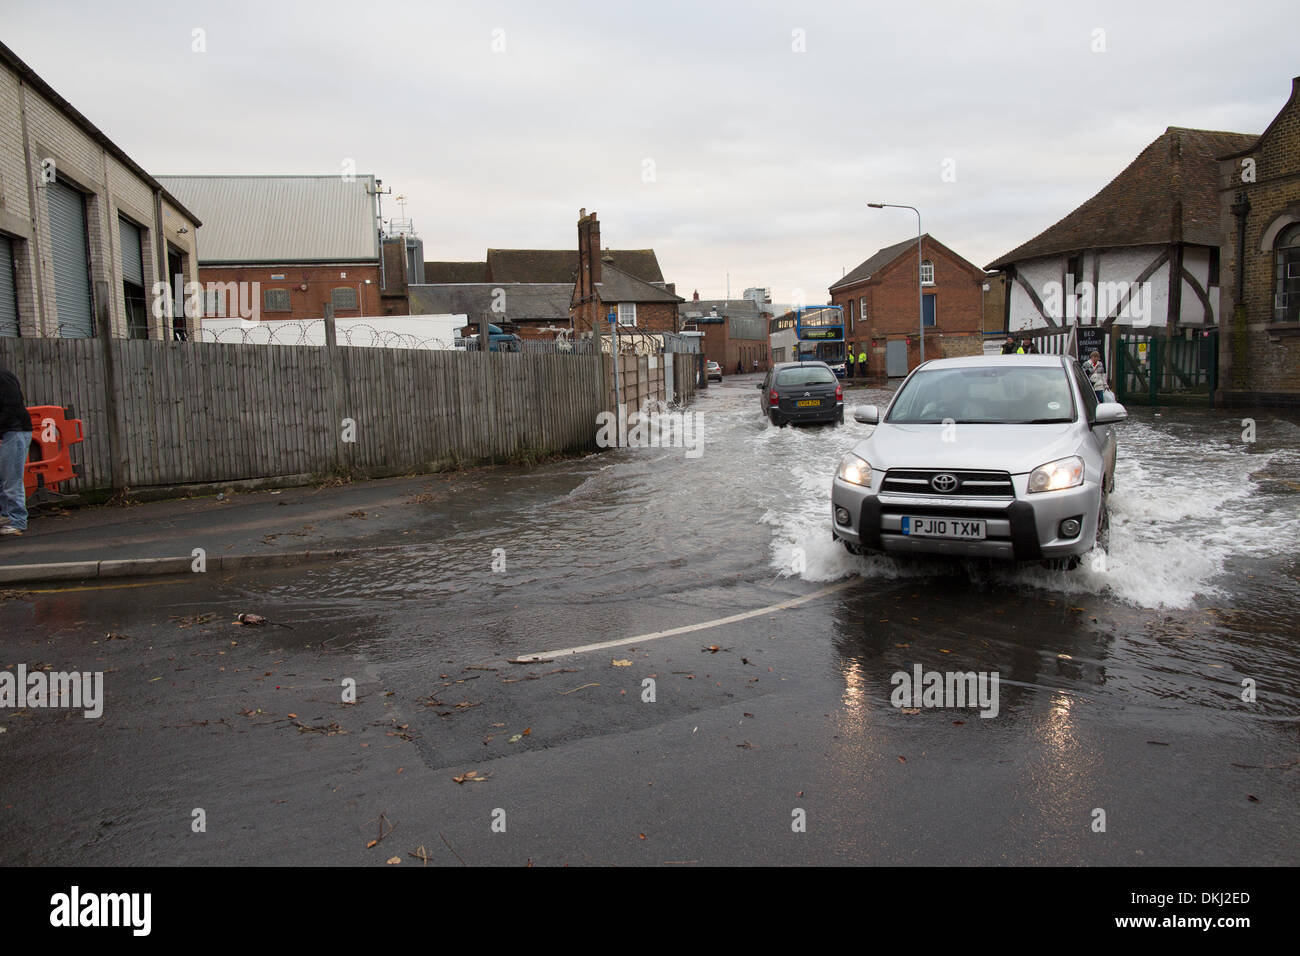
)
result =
(15, 439)
(1009, 346)
(1096, 373)
(862, 361)
(1031, 347)
(848, 361)
(755, 366)
(740, 367)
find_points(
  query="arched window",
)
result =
(927, 272)
(1286, 301)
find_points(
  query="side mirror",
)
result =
(759, 385)
(1108, 412)
(867, 414)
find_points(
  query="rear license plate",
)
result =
(809, 403)
(958, 528)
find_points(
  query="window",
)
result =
(344, 299)
(627, 313)
(133, 303)
(927, 272)
(862, 309)
(276, 300)
(1287, 299)
(1214, 267)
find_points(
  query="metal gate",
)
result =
(1151, 369)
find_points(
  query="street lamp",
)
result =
(920, 301)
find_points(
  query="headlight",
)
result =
(1055, 475)
(855, 470)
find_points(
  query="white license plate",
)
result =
(961, 528)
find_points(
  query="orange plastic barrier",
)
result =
(48, 462)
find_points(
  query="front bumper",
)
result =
(1023, 528)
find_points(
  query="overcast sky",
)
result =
(740, 137)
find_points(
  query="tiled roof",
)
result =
(877, 262)
(617, 286)
(281, 219)
(561, 265)
(440, 272)
(1169, 193)
(524, 301)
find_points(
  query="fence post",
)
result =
(338, 382)
(112, 387)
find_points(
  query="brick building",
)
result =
(1259, 218)
(882, 316)
(85, 232)
(299, 242)
(735, 331)
(601, 288)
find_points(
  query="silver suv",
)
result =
(1001, 456)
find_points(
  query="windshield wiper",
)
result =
(1042, 421)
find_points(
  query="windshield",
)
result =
(812, 375)
(1002, 394)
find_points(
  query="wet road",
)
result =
(1120, 683)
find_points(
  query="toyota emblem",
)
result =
(945, 483)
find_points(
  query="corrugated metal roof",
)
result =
(280, 219)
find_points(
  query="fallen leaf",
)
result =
(394, 860)
(621, 663)
(372, 843)
(910, 711)
(902, 760)
(471, 776)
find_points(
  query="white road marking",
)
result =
(686, 629)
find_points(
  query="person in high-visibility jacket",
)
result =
(862, 363)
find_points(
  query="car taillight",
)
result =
(773, 398)
(839, 393)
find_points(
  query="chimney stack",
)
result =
(589, 252)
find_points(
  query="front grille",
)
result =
(970, 484)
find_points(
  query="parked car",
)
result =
(713, 371)
(802, 392)
(1007, 457)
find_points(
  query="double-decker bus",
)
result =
(809, 333)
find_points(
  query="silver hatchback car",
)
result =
(1002, 456)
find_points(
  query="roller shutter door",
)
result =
(70, 247)
(132, 262)
(8, 297)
